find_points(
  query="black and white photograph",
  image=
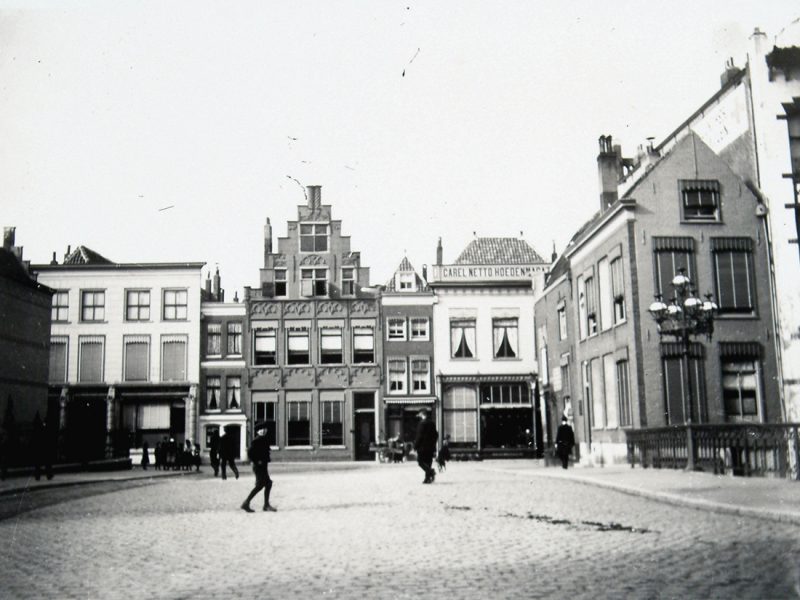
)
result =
(351, 299)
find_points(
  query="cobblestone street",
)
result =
(375, 531)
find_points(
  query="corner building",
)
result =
(313, 327)
(484, 351)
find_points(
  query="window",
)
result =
(610, 388)
(396, 329)
(460, 414)
(314, 282)
(265, 347)
(90, 358)
(213, 387)
(700, 199)
(93, 305)
(582, 318)
(741, 376)
(280, 282)
(214, 339)
(233, 387)
(363, 345)
(591, 307)
(676, 407)
(504, 335)
(265, 409)
(671, 255)
(173, 357)
(419, 329)
(313, 237)
(234, 338)
(58, 358)
(299, 420)
(330, 346)
(604, 285)
(504, 393)
(420, 375)
(137, 305)
(397, 376)
(733, 271)
(462, 338)
(618, 291)
(348, 281)
(624, 394)
(562, 323)
(332, 409)
(137, 357)
(298, 353)
(566, 381)
(175, 305)
(60, 310)
(586, 375)
(406, 281)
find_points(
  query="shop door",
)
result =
(86, 429)
(177, 422)
(365, 433)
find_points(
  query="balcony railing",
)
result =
(738, 448)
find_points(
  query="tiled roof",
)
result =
(11, 268)
(499, 251)
(86, 256)
(404, 267)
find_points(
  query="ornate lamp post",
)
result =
(683, 318)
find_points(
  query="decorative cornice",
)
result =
(330, 308)
(266, 309)
(297, 308)
(339, 373)
(313, 260)
(363, 307)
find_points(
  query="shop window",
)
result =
(419, 329)
(313, 282)
(137, 357)
(460, 413)
(265, 347)
(733, 266)
(332, 408)
(299, 423)
(330, 345)
(420, 375)
(504, 393)
(462, 338)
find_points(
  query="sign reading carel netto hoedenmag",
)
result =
(482, 273)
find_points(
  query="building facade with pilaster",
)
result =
(313, 330)
(124, 352)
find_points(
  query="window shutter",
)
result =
(58, 360)
(91, 367)
(173, 356)
(136, 358)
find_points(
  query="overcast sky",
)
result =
(153, 131)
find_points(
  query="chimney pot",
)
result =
(439, 252)
(314, 193)
(8, 237)
(54, 261)
(609, 166)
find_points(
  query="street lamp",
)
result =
(685, 316)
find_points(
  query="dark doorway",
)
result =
(177, 422)
(86, 428)
(507, 428)
(364, 424)
(235, 433)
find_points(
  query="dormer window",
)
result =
(406, 282)
(700, 199)
(314, 237)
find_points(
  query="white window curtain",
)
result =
(265, 341)
(331, 339)
(505, 330)
(298, 341)
(462, 338)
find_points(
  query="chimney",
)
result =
(8, 237)
(729, 73)
(54, 261)
(267, 241)
(69, 251)
(425, 273)
(554, 255)
(208, 284)
(608, 166)
(215, 287)
(439, 252)
(314, 193)
(236, 296)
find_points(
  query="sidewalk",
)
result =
(768, 498)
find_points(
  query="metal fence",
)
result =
(739, 448)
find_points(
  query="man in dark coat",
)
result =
(259, 455)
(213, 449)
(565, 440)
(425, 445)
(227, 454)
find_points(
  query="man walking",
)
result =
(565, 440)
(259, 454)
(425, 445)
(227, 454)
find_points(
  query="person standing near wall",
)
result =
(565, 440)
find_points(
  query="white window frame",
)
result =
(57, 307)
(60, 340)
(138, 306)
(308, 285)
(92, 339)
(340, 332)
(391, 378)
(94, 307)
(135, 339)
(419, 338)
(172, 339)
(397, 331)
(266, 333)
(307, 334)
(176, 305)
(413, 379)
(314, 235)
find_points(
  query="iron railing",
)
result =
(746, 449)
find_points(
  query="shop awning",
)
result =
(486, 378)
(423, 400)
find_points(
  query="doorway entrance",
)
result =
(364, 424)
